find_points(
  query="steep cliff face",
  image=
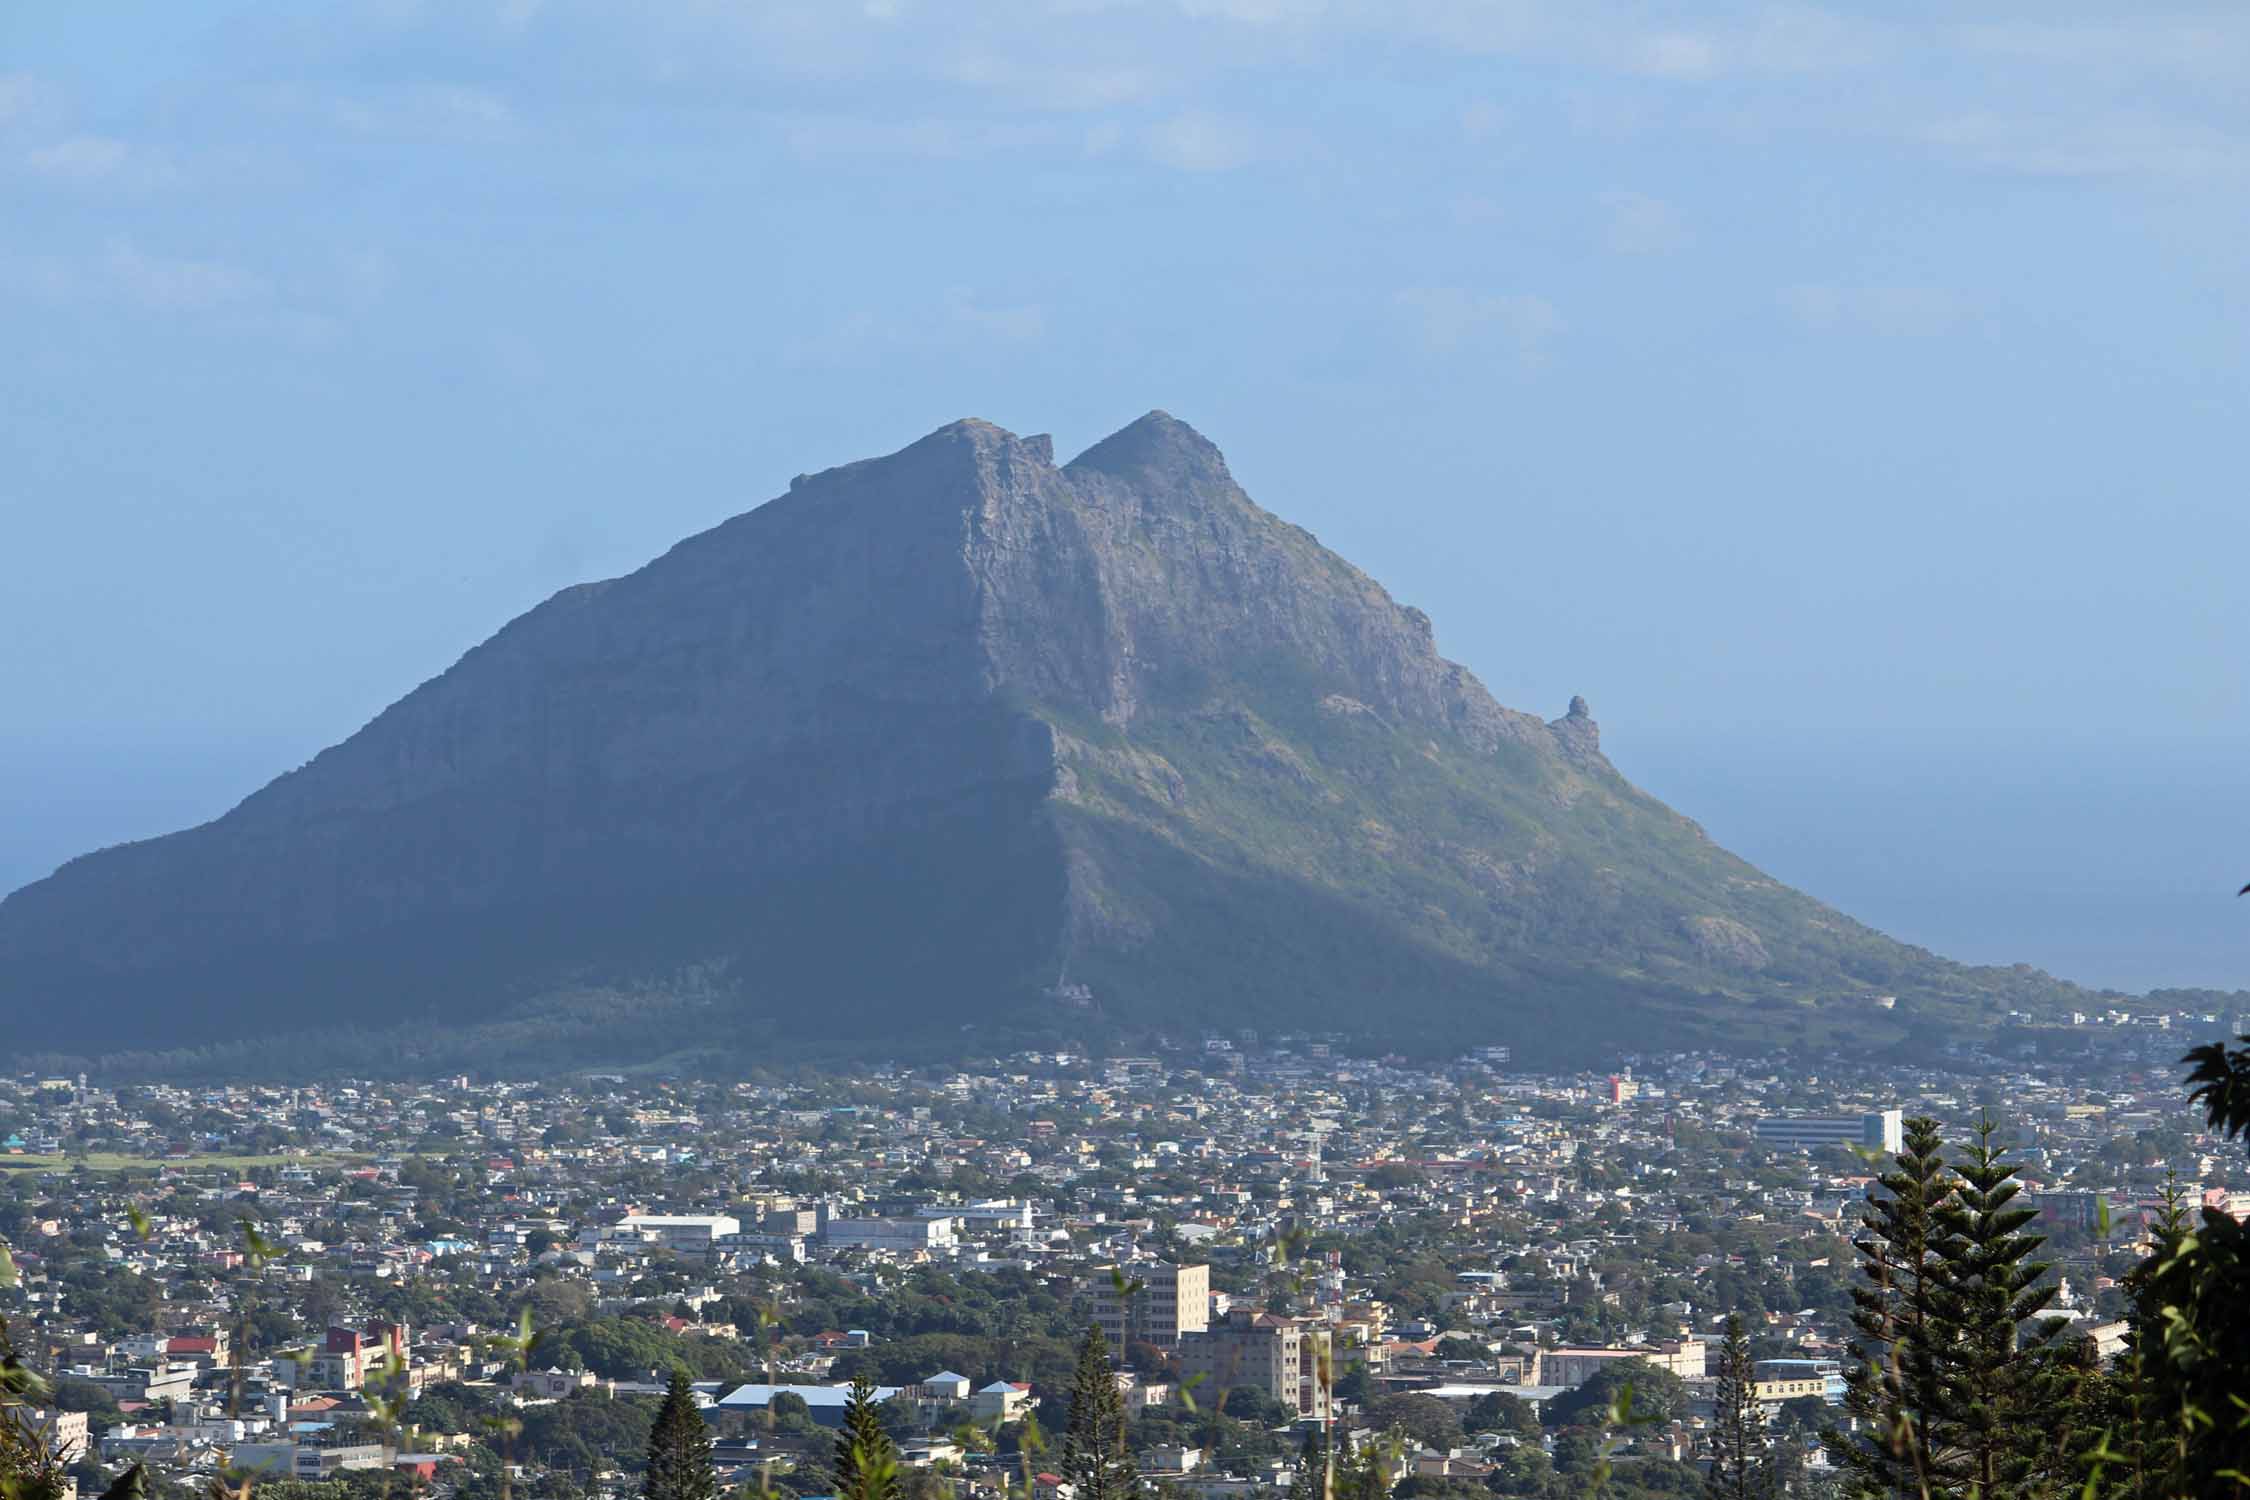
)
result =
(1199, 583)
(914, 739)
(758, 692)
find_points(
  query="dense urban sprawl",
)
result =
(478, 1285)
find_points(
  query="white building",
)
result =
(1001, 1401)
(992, 1213)
(1880, 1130)
(825, 1403)
(946, 1385)
(898, 1236)
(686, 1233)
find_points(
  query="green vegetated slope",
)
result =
(1290, 856)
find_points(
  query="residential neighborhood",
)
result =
(471, 1282)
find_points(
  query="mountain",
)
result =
(951, 749)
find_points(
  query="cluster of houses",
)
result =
(1184, 1173)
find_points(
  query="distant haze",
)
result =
(2112, 870)
(2111, 864)
(1848, 402)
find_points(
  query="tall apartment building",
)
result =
(1173, 1301)
(1880, 1130)
(1279, 1356)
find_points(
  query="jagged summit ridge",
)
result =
(1158, 446)
(900, 741)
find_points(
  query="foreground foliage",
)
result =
(1960, 1388)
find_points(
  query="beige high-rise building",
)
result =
(1172, 1301)
(1279, 1356)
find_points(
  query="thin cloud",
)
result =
(961, 319)
(1256, 12)
(124, 276)
(1638, 224)
(82, 158)
(2207, 47)
(88, 161)
(1448, 319)
(512, 357)
(1888, 311)
(1200, 142)
(177, 284)
(22, 95)
(427, 112)
(43, 278)
(1039, 84)
(1472, 209)
(364, 274)
(1776, 39)
(818, 137)
(1674, 55)
(1482, 120)
(1021, 324)
(2107, 146)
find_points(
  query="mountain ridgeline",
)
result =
(945, 751)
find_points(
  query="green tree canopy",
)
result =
(1658, 1395)
(1425, 1419)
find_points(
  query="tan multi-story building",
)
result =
(1279, 1356)
(1773, 1393)
(1572, 1367)
(63, 1432)
(1172, 1301)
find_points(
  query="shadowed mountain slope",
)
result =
(880, 764)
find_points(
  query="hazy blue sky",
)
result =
(1850, 402)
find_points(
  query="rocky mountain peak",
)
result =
(1160, 451)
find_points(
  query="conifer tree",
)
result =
(1891, 1383)
(1740, 1451)
(679, 1448)
(1096, 1458)
(2148, 1447)
(2084, 1427)
(866, 1459)
(2191, 1317)
(1959, 1387)
(1998, 1379)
